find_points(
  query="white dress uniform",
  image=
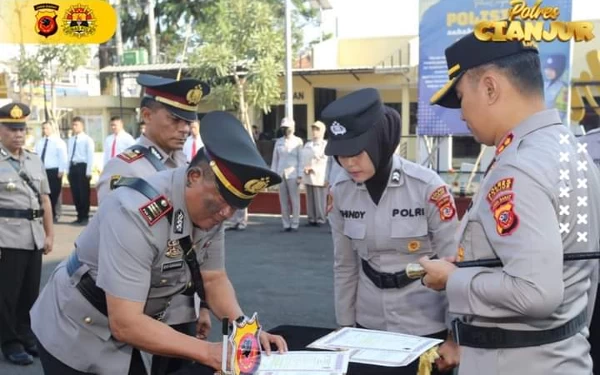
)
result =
(287, 163)
(114, 144)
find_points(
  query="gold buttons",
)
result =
(87, 320)
(163, 281)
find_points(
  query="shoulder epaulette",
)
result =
(156, 209)
(130, 155)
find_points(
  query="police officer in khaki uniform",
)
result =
(538, 201)
(108, 299)
(387, 212)
(314, 176)
(25, 233)
(167, 109)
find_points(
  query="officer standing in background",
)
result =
(81, 163)
(167, 109)
(193, 143)
(537, 202)
(118, 141)
(287, 162)
(53, 152)
(387, 212)
(314, 176)
(26, 232)
(108, 299)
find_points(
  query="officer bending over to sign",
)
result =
(107, 300)
(387, 212)
(538, 201)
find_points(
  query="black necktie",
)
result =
(44, 150)
(74, 148)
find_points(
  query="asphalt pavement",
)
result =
(286, 277)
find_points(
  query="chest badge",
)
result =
(174, 249)
(414, 246)
(11, 186)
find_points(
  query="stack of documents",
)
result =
(379, 348)
(304, 363)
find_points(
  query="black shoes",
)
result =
(16, 354)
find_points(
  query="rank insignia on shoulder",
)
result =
(113, 180)
(155, 209)
(438, 194)
(504, 184)
(130, 155)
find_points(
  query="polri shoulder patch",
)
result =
(155, 209)
(505, 184)
(503, 208)
(130, 155)
(438, 194)
(446, 208)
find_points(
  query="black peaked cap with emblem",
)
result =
(470, 52)
(14, 115)
(234, 158)
(351, 122)
(181, 97)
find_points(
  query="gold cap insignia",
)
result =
(254, 186)
(194, 95)
(16, 112)
(414, 246)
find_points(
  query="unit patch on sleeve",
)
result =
(506, 219)
(130, 155)
(446, 208)
(155, 209)
(504, 184)
(438, 194)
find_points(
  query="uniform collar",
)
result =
(157, 151)
(5, 154)
(181, 224)
(531, 124)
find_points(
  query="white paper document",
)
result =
(304, 362)
(376, 347)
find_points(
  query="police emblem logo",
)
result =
(507, 220)
(255, 186)
(337, 128)
(46, 19)
(113, 180)
(174, 249)
(155, 209)
(16, 112)
(179, 222)
(130, 155)
(156, 153)
(396, 176)
(194, 95)
(446, 208)
(414, 246)
(79, 21)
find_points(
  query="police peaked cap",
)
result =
(351, 122)
(14, 115)
(181, 97)
(470, 52)
(234, 158)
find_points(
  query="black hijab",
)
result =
(381, 149)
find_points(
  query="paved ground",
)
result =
(285, 277)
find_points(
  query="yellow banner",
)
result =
(56, 22)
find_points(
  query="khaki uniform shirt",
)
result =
(416, 216)
(287, 157)
(130, 259)
(15, 194)
(538, 201)
(313, 156)
(182, 309)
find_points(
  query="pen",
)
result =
(225, 331)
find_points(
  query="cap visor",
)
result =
(348, 147)
(181, 113)
(446, 96)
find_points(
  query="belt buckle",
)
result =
(35, 214)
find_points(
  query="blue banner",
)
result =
(442, 22)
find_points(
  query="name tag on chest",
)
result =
(170, 266)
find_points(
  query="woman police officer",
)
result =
(387, 212)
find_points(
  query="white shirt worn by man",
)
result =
(53, 152)
(81, 150)
(191, 146)
(117, 143)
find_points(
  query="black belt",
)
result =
(87, 286)
(498, 338)
(385, 280)
(28, 214)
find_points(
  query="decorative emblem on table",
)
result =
(245, 348)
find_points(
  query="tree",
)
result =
(242, 54)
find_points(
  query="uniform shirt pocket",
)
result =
(410, 235)
(357, 232)
(85, 315)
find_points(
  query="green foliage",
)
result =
(50, 62)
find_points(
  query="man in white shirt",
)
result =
(81, 160)
(118, 141)
(287, 163)
(193, 143)
(53, 152)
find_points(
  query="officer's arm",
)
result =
(442, 219)
(345, 269)
(522, 229)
